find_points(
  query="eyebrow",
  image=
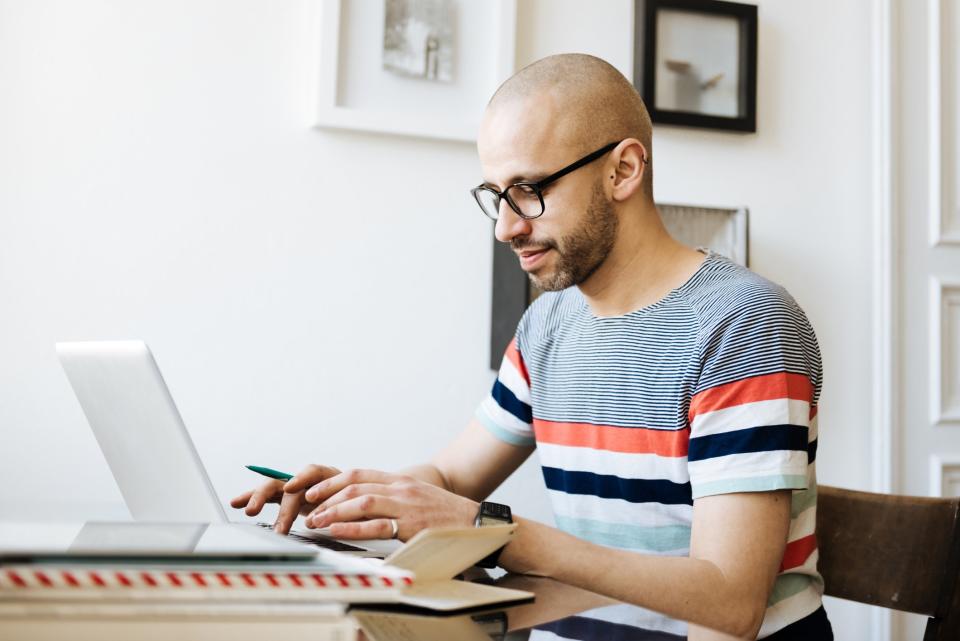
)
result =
(517, 179)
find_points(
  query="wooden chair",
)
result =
(898, 552)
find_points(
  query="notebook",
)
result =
(420, 575)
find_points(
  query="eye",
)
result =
(527, 192)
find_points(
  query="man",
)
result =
(671, 394)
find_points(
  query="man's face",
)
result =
(577, 231)
(557, 263)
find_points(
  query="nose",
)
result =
(510, 224)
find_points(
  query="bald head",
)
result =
(583, 101)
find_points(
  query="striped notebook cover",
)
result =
(82, 582)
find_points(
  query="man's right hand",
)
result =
(289, 495)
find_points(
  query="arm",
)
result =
(737, 544)
(473, 465)
(358, 504)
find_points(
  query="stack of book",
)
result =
(56, 598)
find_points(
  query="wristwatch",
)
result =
(492, 514)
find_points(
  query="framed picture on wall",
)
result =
(695, 62)
(421, 68)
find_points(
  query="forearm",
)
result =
(474, 465)
(684, 588)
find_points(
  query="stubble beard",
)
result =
(582, 252)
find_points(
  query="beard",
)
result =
(581, 252)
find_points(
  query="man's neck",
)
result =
(643, 267)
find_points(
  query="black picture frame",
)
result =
(512, 292)
(646, 15)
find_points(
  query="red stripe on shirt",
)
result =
(751, 390)
(797, 552)
(633, 440)
(513, 355)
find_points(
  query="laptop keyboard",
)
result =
(320, 541)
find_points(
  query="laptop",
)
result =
(146, 444)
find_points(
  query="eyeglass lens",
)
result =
(523, 199)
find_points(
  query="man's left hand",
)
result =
(358, 504)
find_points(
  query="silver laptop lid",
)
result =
(140, 432)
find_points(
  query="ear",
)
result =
(628, 167)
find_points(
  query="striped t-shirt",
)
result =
(711, 390)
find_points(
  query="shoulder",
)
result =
(727, 295)
(550, 311)
(750, 326)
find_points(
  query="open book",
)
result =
(420, 574)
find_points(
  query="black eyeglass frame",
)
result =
(538, 186)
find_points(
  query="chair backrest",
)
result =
(898, 552)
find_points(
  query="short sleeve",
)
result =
(506, 411)
(751, 417)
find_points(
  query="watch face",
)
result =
(493, 514)
(489, 520)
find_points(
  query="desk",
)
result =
(559, 611)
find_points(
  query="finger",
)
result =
(351, 492)
(269, 491)
(308, 476)
(373, 529)
(289, 509)
(241, 500)
(366, 507)
(327, 488)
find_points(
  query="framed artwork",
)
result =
(695, 62)
(421, 68)
(721, 229)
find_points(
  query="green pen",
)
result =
(273, 474)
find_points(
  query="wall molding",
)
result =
(884, 390)
(885, 249)
(944, 214)
(945, 475)
(944, 381)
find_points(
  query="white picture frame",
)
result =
(356, 93)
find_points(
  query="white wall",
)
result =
(316, 296)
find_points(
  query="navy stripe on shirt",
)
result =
(508, 401)
(607, 486)
(589, 629)
(766, 438)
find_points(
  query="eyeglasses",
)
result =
(525, 197)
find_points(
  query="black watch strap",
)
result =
(492, 514)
